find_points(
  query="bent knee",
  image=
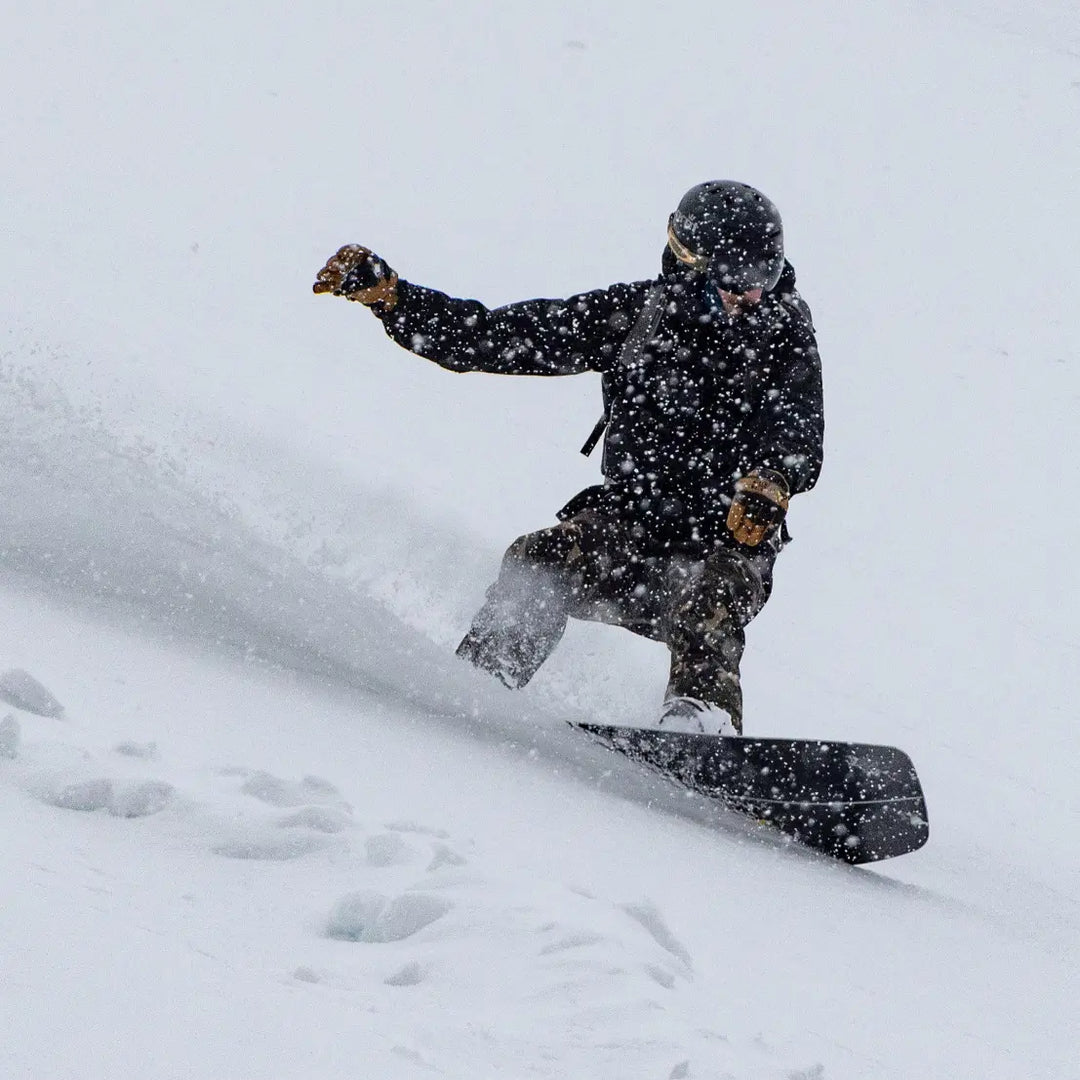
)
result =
(734, 582)
(556, 546)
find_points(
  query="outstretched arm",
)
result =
(534, 337)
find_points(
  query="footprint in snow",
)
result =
(10, 737)
(124, 799)
(140, 799)
(316, 806)
(650, 919)
(574, 939)
(661, 976)
(264, 845)
(142, 751)
(388, 849)
(21, 689)
(372, 917)
(414, 827)
(442, 855)
(412, 974)
(815, 1072)
(580, 952)
(273, 790)
(324, 819)
(85, 795)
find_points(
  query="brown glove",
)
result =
(760, 505)
(358, 274)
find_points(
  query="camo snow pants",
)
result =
(588, 567)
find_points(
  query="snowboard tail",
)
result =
(856, 802)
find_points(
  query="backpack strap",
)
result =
(640, 333)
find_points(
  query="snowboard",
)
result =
(856, 802)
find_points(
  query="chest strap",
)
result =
(640, 333)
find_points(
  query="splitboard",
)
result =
(854, 801)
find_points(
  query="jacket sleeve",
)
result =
(534, 337)
(791, 425)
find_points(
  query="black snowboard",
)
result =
(854, 801)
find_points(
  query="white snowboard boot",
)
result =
(689, 714)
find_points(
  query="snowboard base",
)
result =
(856, 802)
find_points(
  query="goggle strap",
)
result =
(683, 253)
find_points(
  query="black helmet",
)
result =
(731, 232)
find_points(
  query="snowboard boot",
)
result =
(689, 714)
(711, 603)
(512, 656)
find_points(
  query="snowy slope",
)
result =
(240, 534)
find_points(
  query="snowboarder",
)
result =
(712, 421)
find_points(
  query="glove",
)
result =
(760, 505)
(358, 274)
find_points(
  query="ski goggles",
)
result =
(683, 253)
(730, 271)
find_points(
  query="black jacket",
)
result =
(704, 401)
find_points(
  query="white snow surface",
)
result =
(278, 831)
